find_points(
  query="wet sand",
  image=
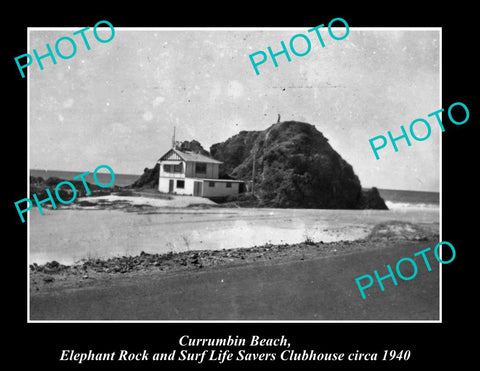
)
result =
(120, 261)
(69, 235)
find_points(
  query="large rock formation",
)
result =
(149, 178)
(295, 166)
(234, 151)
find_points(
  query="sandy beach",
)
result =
(112, 226)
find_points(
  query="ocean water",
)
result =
(121, 180)
(401, 199)
(395, 199)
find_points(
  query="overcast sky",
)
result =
(117, 103)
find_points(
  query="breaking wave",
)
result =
(411, 205)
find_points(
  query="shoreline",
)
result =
(127, 224)
(52, 275)
(289, 288)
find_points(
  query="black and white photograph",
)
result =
(202, 187)
(235, 195)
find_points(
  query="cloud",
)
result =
(147, 116)
(158, 100)
(117, 128)
(235, 89)
(68, 103)
(215, 92)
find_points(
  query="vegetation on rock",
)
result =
(295, 167)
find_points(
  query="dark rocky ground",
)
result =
(53, 274)
(307, 281)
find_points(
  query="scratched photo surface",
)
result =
(138, 251)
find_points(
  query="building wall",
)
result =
(190, 170)
(220, 189)
(164, 184)
(189, 176)
(211, 171)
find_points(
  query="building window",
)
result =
(173, 168)
(211, 184)
(181, 184)
(229, 185)
(177, 168)
(200, 168)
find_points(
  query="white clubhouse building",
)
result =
(184, 172)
